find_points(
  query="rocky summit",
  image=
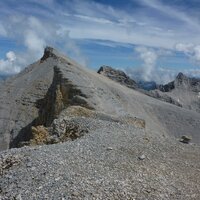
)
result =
(118, 76)
(70, 133)
(183, 91)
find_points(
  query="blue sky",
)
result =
(149, 39)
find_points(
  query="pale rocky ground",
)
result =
(104, 164)
(120, 143)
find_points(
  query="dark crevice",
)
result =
(61, 94)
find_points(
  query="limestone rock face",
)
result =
(19, 97)
(35, 97)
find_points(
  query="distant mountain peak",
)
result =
(182, 82)
(117, 76)
(180, 75)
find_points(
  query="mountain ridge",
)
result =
(56, 82)
(182, 81)
(84, 136)
(183, 91)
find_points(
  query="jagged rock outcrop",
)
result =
(182, 82)
(18, 99)
(118, 76)
(183, 90)
(61, 94)
(166, 88)
(34, 97)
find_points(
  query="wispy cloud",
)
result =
(151, 24)
(154, 24)
(34, 34)
(190, 50)
(172, 12)
(161, 75)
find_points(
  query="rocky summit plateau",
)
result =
(67, 132)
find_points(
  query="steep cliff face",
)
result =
(18, 98)
(61, 94)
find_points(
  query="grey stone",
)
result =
(185, 139)
(142, 157)
(29, 164)
(18, 197)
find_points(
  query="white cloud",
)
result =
(196, 55)
(56, 24)
(149, 57)
(7, 65)
(150, 71)
(103, 22)
(190, 50)
(109, 43)
(186, 48)
(30, 33)
(11, 56)
(172, 12)
(33, 42)
(34, 34)
(94, 19)
(160, 75)
(192, 72)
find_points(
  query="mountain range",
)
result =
(78, 134)
(183, 91)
